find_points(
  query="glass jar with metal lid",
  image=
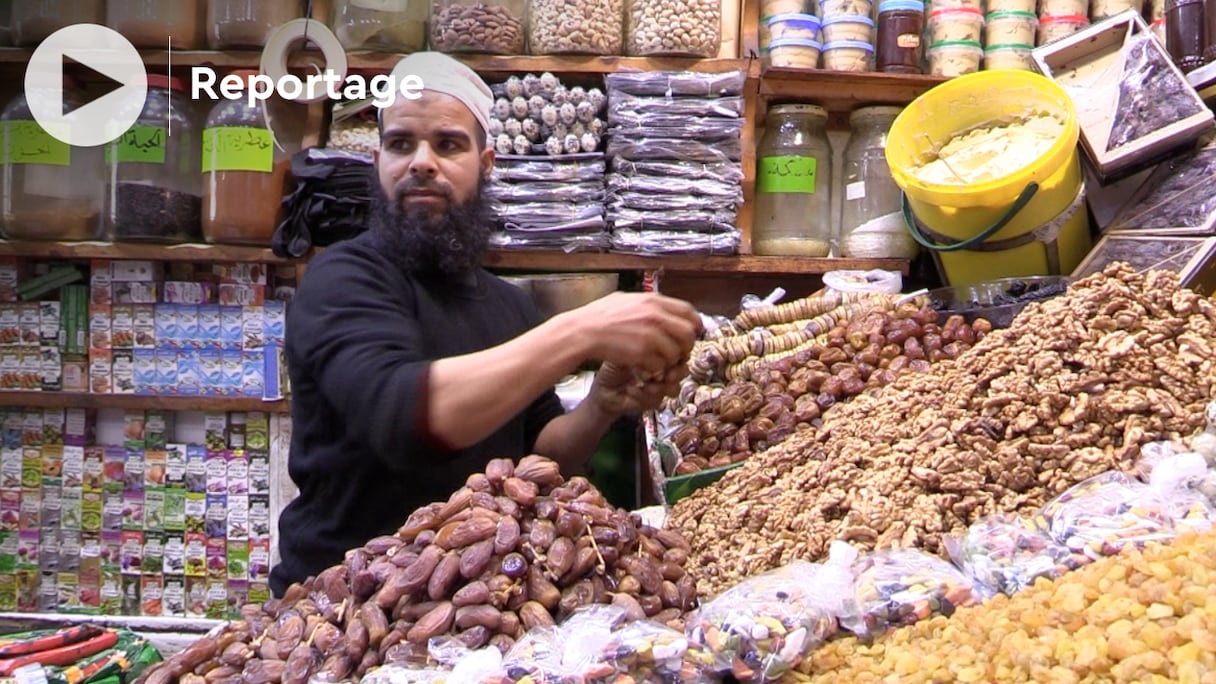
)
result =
(34, 20)
(387, 25)
(153, 185)
(871, 224)
(51, 190)
(793, 183)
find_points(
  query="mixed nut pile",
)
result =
(780, 367)
(1072, 389)
(515, 549)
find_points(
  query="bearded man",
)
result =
(412, 367)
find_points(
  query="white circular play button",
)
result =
(112, 59)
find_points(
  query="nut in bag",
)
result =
(1100, 516)
(765, 626)
(897, 587)
(646, 652)
(1007, 553)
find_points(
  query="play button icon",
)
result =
(108, 57)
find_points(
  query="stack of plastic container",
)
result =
(1060, 18)
(674, 150)
(956, 28)
(848, 35)
(791, 40)
(1010, 28)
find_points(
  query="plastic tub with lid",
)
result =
(1005, 28)
(1009, 56)
(1053, 28)
(956, 24)
(848, 27)
(795, 53)
(793, 26)
(955, 58)
(848, 55)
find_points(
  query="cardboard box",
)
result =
(1091, 65)
(1188, 256)
(1178, 197)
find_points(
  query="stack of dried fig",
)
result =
(518, 547)
(768, 400)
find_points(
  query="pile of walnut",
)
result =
(516, 548)
(867, 343)
(1072, 389)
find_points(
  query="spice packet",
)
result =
(902, 586)
(765, 626)
(1007, 553)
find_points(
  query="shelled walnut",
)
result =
(1074, 387)
(721, 425)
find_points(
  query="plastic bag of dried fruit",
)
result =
(1102, 515)
(535, 658)
(1007, 553)
(902, 586)
(464, 665)
(646, 651)
(767, 625)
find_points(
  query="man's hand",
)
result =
(618, 390)
(647, 332)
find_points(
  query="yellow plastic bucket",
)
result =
(1024, 224)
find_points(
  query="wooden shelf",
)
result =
(843, 90)
(560, 261)
(131, 250)
(384, 61)
(138, 402)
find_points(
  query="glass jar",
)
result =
(247, 23)
(588, 27)
(871, 223)
(6, 22)
(50, 190)
(496, 27)
(900, 25)
(1184, 26)
(153, 187)
(793, 183)
(245, 173)
(688, 28)
(150, 23)
(386, 25)
(34, 20)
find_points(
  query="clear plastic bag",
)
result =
(902, 586)
(722, 172)
(398, 674)
(536, 658)
(588, 166)
(766, 625)
(647, 652)
(642, 201)
(546, 192)
(549, 213)
(1152, 96)
(670, 242)
(574, 242)
(1102, 515)
(673, 125)
(694, 220)
(1007, 553)
(722, 107)
(675, 149)
(668, 185)
(675, 83)
(1182, 195)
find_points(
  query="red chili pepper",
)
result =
(64, 655)
(63, 637)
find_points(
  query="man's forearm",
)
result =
(471, 396)
(571, 439)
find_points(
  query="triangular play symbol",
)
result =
(106, 84)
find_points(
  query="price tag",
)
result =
(787, 174)
(25, 142)
(139, 144)
(237, 148)
(855, 191)
(30, 674)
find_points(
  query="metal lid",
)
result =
(799, 110)
(882, 112)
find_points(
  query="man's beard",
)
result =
(451, 244)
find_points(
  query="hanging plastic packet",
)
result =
(766, 625)
(897, 587)
(1007, 553)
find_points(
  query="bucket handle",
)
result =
(910, 223)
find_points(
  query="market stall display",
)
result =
(247, 23)
(497, 27)
(517, 548)
(79, 654)
(934, 451)
(393, 26)
(688, 124)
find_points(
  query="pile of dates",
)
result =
(517, 547)
(716, 425)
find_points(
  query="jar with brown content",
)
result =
(34, 20)
(50, 190)
(1209, 31)
(152, 24)
(900, 25)
(1184, 28)
(245, 173)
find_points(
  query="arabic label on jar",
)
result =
(787, 173)
(145, 144)
(26, 142)
(237, 148)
